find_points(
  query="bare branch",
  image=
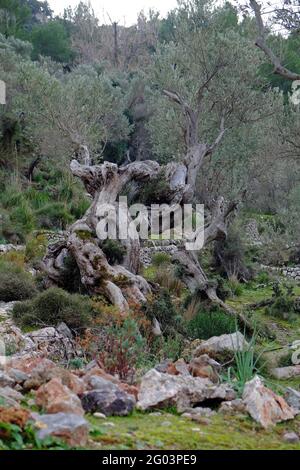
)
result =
(219, 137)
(191, 117)
(279, 69)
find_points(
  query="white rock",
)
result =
(159, 389)
(264, 406)
(222, 344)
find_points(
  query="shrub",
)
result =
(263, 277)
(168, 348)
(36, 248)
(52, 307)
(53, 215)
(229, 256)
(22, 219)
(213, 322)
(121, 347)
(283, 304)
(114, 251)
(154, 191)
(167, 280)
(163, 309)
(234, 286)
(15, 284)
(160, 259)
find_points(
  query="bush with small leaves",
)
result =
(114, 251)
(163, 309)
(53, 307)
(284, 304)
(213, 322)
(160, 259)
(15, 283)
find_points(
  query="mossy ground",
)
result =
(168, 432)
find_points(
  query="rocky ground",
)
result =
(175, 405)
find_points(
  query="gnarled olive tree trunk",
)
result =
(121, 284)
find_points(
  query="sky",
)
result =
(122, 11)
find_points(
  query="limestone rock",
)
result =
(292, 398)
(198, 413)
(96, 371)
(233, 407)
(10, 397)
(30, 364)
(177, 368)
(6, 380)
(160, 390)
(291, 437)
(17, 376)
(264, 406)
(54, 397)
(71, 428)
(286, 372)
(109, 400)
(220, 346)
(205, 367)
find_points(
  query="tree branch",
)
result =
(219, 137)
(279, 69)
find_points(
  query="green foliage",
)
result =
(54, 215)
(12, 437)
(284, 305)
(160, 259)
(235, 286)
(76, 363)
(168, 348)
(13, 17)
(52, 40)
(113, 250)
(52, 307)
(163, 309)
(36, 248)
(121, 348)
(15, 283)
(208, 323)
(263, 277)
(246, 365)
(230, 256)
(154, 191)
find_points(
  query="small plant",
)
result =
(161, 259)
(13, 437)
(283, 302)
(15, 283)
(52, 307)
(76, 363)
(163, 309)
(167, 280)
(168, 348)
(263, 277)
(246, 365)
(114, 251)
(36, 248)
(121, 348)
(234, 286)
(212, 322)
(230, 257)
